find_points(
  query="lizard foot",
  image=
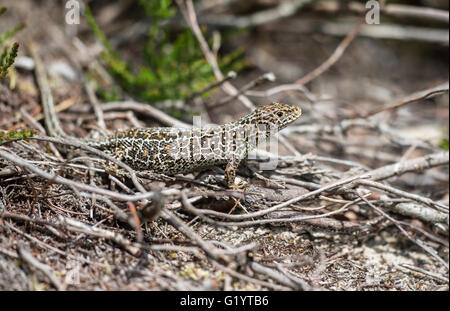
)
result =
(114, 170)
(241, 184)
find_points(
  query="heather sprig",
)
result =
(8, 54)
(173, 67)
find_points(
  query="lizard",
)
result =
(170, 150)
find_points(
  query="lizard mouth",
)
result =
(298, 112)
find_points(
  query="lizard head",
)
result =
(275, 114)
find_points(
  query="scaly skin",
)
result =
(178, 150)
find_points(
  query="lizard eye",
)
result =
(280, 114)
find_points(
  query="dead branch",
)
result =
(405, 233)
(338, 52)
(417, 96)
(283, 10)
(404, 194)
(32, 261)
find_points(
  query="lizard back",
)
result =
(179, 150)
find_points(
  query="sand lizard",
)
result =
(172, 151)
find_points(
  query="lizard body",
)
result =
(178, 150)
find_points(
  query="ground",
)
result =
(371, 112)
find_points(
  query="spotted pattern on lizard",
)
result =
(177, 150)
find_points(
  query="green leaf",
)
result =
(7, 59)
(444, 144)
(8, 56)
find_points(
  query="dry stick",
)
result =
(81, 227)
(275, 275)
(190, 208)
(296, 278)
(259, 80)
(412, 165)
(147, 110)
(27, 257)
(347, 124)
(39, 127)
(394, 10)
(30, 237)
(234, 251)
(412, 196)
(77, 226)
(334, 57)
(249, 279)
(61, 180)
(382, 31)
(271, 220)
(172, 248)
(396, 223)
(28, 118)
(230, 75)
(283, 10)
(423, 271)
(419, 211)
(80, 144)
(285, 88)
(52, 125)
(87, 88)
(341, 162)
(441, 88)
(384, 172)
(188, 12)
(207, 247)
(430, 236)
(418, 12)
(8, 253)
(64, 105)
(348, 227)
(132, 118)
(48, 224)
(95, 103)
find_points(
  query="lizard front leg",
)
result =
(230, 173)
(112, 168)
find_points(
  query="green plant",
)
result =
(444, 144)
(173, 67)
(16, 135)
(8, 55)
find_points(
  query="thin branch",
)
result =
(207, 247)
(402, 230)
(337, 54)
(14, 158)
(425, 272)
(53, 126)
(146, 110)
(255, 82)
(417, 96)
(32, 261)
(404, 194)
(188, 11)
(283, 10)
